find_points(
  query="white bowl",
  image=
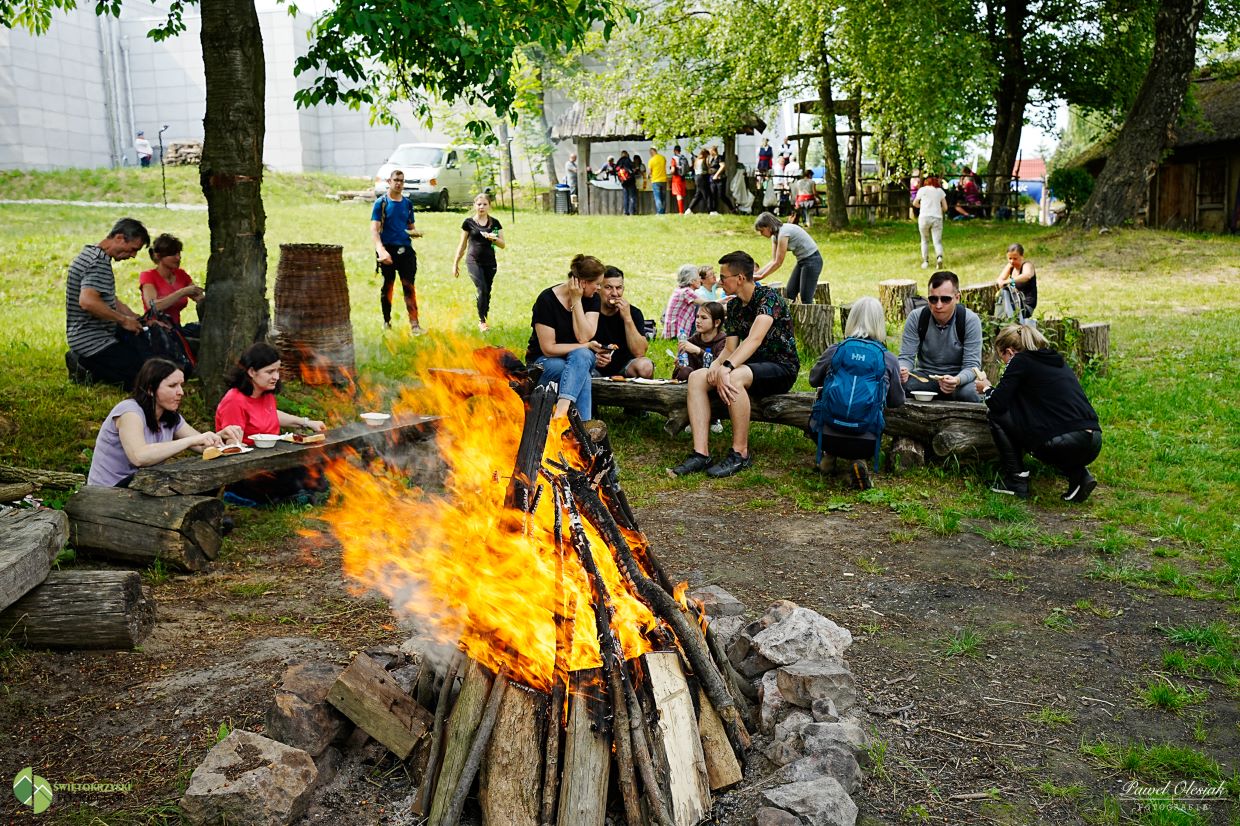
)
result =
(924, 395)
(265, 439)
(376, 419)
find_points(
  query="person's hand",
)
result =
(385, 257)
(622, 307)
(727, 391)
(208, 439)
(315, 425)
(948, 385)
(691, 349)
(233, 434)
(602, 358)
(983, 383)
(132, 324)
(415, 233)
(456, 270)
(574, 291)
(903, 375)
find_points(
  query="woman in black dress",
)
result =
(481, 233)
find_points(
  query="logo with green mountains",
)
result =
(32, 790)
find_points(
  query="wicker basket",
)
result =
(312, 328)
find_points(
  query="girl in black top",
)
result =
(1039, 407)
(1021, 274)
(481, 232)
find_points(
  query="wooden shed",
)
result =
(585, 128)
(1197, 186)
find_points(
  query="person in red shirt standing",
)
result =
(168, 288)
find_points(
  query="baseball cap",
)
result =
(140, 133)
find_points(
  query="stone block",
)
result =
(802, 635)
(726, 629)
(821, 802)
(798, 736)
(300, 715)
(804, 682)
(250, 780)
(718, 602)
(834, 762)
(766, 816)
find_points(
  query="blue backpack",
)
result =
(855, 393)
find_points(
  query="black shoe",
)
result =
(732, 463)
(861, 475)
(1015, 485)
(1080, 489)
(694, 463)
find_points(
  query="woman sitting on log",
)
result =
(867, 324)
(250, 404)
(1039, 407)
(565, 318)
(146, 428)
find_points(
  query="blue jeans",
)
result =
(804, 279)
(573, 376)
(630, 200)
(660, 197)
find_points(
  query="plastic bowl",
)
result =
(375, 419)
(265, 439)
(924, 395)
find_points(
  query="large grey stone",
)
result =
(250, 780)
(766, 816)
(804, 682)
(821, 802)
(802, 635)
(772, 708)
(834, 762)
(798, 736)
(725, 629)
(717, 602)
(300, 715)
(824, 711)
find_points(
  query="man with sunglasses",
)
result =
(941, 349)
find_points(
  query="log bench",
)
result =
(195, 476)
(947, 429)
(121, 524)
(30, 539)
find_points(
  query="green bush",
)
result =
(1072, 185)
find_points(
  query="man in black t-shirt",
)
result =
(621, 330)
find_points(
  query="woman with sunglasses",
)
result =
(1039, 407)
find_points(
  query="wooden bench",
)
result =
(947, 429)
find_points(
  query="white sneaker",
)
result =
(714, 213)
(938, 262)
(716, 426)
(688, 212)
(417, 330)
(925, 264)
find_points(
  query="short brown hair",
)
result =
(942, 277)
(739, 262)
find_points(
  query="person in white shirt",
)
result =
(932, 201)
(143, 147)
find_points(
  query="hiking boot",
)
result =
(1079, 489)
(1016, 484)
(861, 475)
(732, 463)
(694, 463)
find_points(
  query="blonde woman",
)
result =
(481, 233)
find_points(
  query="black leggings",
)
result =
(483, 276)
(702, 192)
(720, 194)
(1068, 453)
(406, 264)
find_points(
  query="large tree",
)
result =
(364, 52)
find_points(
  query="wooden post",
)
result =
(679, 739)
(822, 293)
(117, 523)
(843, 310)
(510, 783)
(892, 293)
(980, 298)
(583, 179)
(458, 737)
(814, 326)
(369, 696)
(723, 770)
(587, 757)
(1096, 345)
(29, 542)
(82, 609)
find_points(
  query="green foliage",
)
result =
(964, 643)
(1071, 184)
(1049, 716)
(1164, 694)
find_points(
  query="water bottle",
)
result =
(707, 357)
(682, 358)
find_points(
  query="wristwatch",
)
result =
(729, 364)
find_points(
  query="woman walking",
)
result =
(787, 238)
(931, 201)
(481, 233)
(701, 185)
(719, 181)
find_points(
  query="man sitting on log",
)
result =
(759, 360)
(621, 330)
(941, 349)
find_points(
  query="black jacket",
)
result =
(1041, 398)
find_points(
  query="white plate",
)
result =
(652, 381)
(265, 440)
(243, 449)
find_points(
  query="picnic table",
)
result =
(196, 476)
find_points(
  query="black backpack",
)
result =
(923, 323)
(167, 341)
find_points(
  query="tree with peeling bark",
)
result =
(364, 52)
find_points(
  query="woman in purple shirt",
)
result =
(146, 428)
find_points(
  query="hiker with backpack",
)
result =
(392, 227)
(941, 348)
(859, 378)
(1039, 407)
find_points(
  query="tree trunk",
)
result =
(507, 175)
(854, 146)
(77, 610)
(1123, 187)
(1010, 100)
(29, 541)
(837, 210)
(553, 179)
(231, 173)
(117, 523)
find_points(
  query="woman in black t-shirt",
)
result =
(481, 233)
(565, 319)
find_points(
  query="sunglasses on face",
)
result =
(941, 299)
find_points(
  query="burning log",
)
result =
(510, 783)
(422, 799)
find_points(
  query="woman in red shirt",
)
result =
(251, 403)
(168, 288)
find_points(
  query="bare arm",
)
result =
(460, 252)
(384, 257)
(150, 299)
(92, 302)
(777, 261)
(633, 337)
(289, 420)
(549, 347)
(498, 240)
(131, 428)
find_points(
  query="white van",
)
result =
(436, 175)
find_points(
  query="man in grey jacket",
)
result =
(941, 349)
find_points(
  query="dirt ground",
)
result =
(960, 744)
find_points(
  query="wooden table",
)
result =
(195, 476)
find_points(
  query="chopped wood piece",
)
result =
(80, 609)
(587, 758)
(117, 523)
(29, 542)
(473, 760)
(370, 697)
(980, 298)
(822, 293)
(723, 770)
(421, 801)
(459, 735)
(682, 746)
(57, 479)
(12, 491)
(511, 776)
(1096, 345)
(905, 453)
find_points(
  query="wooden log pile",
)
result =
(81, 609)
(183, 153)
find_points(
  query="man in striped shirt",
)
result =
(101, 329)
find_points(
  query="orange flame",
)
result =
(470, 571)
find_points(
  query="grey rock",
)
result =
(718, 602)
(799, 736)
(801, 635)
(824, 710)
(766, 816)
(300, 715)
(804, 682)
(726, 629)
(250, 780)
(834, 762)
(821, 802)
(406, 677)
(772, 708)
(328, 763)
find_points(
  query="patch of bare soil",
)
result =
(960, 741)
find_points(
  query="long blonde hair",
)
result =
(1020, 338)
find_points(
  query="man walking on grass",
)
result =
(101, 329)
(391, 227)
(759, 360)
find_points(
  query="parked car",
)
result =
(437, 175)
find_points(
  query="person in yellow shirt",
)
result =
(658, 179)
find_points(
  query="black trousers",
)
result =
(406, 265)
(118, 363)
(719, 191)
(702, 194)
(482, 273)
(1068, 453)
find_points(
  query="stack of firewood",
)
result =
(183, 153)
